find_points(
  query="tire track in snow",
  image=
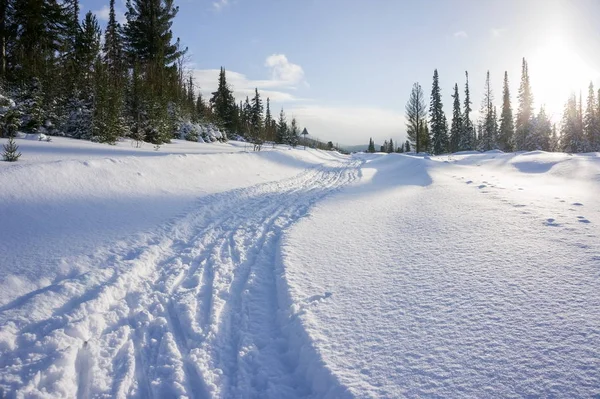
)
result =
(186, 302)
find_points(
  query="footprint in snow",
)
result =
(583, 220)
(551, 222)
(469, 181)
(577, 204)
(482, 186)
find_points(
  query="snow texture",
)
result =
(205, 271)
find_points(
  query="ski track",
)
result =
(191, 313)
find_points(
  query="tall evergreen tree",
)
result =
(592, 121)
(222, 101)
(467, 139)
(457, 128)
(507, 127)
(572, 136)
(282, 129)
(269, 131)
(523, 126)
(114, 46)
(256, 118)
(294, 133)
(487, 140)
(416, 115)
(437, 118)
(371, 147)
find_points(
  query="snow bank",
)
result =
(474, 278)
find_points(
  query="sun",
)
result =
(556, 70)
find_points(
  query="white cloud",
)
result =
(220, 4)
(461, 34)
(285, 76)
(344, 125)
(104, 13)
(283, 70)
(242, 86)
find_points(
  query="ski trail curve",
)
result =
(192, 313)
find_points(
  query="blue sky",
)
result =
(345, 68)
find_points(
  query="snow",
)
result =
(204, 270)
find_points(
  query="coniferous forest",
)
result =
(428, 129)
(63, 76)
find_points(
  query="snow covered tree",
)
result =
(416, 115)
(554, 140)
(487, 139)
(507, 126)
(523, 125)
(572, 136)
(11, 151)
(456, 129)
(407, 146)
(437, 118)
(539, 139)
(592, 121)
(467, 138)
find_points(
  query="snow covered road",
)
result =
(193, 312)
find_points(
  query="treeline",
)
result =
(428, 129)
(58, 77)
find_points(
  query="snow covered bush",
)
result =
(200, 132)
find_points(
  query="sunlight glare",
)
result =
(555, 72)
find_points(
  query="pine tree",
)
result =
(256, 119)
(467, 140)
(523, 126)
(282, 129)
(149, 48)
(554, 140)
(416, 115)
(539, 139)
(592, 121)
(572, 136)
(437, 118)
(457, 128)
(371, 147)
(269, 131)
(222, 102)
(507, 127)
(294, 133)
(11, 151)
(390, 147)
(487, 141)
(114, 46)
(407, 146)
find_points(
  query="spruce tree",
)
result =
(407, 146)
(487, 139)
(507, 127)
(457, 128)
(437, 118)
(523, 125)
(554, 140)
(467, 139)
(222, 102)
(282, 129)
(572, 136)
(592, 121)
(256, 119)
(269, 131)
(416, 115)
(294, 133)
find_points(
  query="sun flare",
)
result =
(556, 71)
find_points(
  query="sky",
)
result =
(345, 68)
